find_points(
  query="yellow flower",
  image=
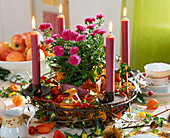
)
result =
(11, 94)
(143, 114)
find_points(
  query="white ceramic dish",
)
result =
(22, 68)
(157, 73)
(19, 66)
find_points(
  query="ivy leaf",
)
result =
(140, 99)
(48, 97)
(155, 131)
(52, 115)
(68, 135)
(156, 118)
(97, 131)
(84, 134)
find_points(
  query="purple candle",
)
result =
(60, 21)
(35, 43)
(110, 62)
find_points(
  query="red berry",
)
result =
(55, 100)
(48, 81)
(78, 113)
(45, 118)
(91, 106)
(80, 107)
(116, 90)
(94, 85)
(32, 130)
(78, 104)
(118, 79)
(86, 105)
(150, 93)
(43, 77)
(75, 97)
(60, 99)
(42, 98)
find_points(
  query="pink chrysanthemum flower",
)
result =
(49, 41)
(93, 34)
(56, 35)
(99, 16)
(80, 38)
(74, 50)
(96, 30)
(81, 27)
(74, 60)
(58, 51)
(101, 31)
(91, 26)
(89, 19)
(45, 26)
(65, 34)
(72, 36)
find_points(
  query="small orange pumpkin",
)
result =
(17, 100)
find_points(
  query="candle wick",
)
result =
(33, 29)
(110, 32)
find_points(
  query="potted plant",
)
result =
(78, 55)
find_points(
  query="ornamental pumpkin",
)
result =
(17, 100)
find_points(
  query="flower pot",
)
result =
(81, 92)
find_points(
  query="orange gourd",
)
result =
(14, 88)
(151, 103)
(17, 100)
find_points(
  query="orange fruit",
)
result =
(151, 103)
(17, 100)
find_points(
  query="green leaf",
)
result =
(52, 115)
(68, 135)
(156, 118)
(48, 97)
(97, 131)
(84, 135)
(159, 104)
(140, 99)
(155, 131)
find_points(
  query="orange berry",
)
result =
(17, 100)
(151, 103)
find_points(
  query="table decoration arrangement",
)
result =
(83, 89)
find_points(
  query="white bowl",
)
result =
(19, 66)
(23, 67)
(157, 73)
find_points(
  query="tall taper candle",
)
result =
(110, 64)
(35, 44)
(125, 39)
(60, 21)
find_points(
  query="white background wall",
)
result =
(80, 9)
(15, 15)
